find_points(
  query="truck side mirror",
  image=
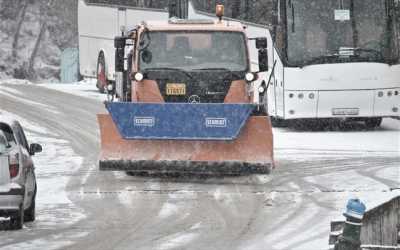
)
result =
(261, 43)
(119, 44)
(263, 60)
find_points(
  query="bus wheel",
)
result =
(278, 122)
(101, 74)
(373, 122)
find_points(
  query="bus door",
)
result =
(278, 83)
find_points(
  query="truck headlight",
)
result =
(250, 77)
(138, 76)
(110, 87)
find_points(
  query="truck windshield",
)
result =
(322, 31)
(190, 51)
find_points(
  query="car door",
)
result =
(4, 164)
(27, 166)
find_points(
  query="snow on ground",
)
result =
(54, 167)
(299, 145)
(52, 242)
(291, 145)
(86, 88)
(305, 145)
(17, 95)
(177, 241)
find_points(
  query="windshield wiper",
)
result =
(169, 69)
(343, 51)
(233, 73)
(322, 58)
(373, 51)
(345, 54)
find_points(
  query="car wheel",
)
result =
(101, 74)
(373, 122)
(29, 215)
(17, 221)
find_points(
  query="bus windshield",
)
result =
(193, 50)
(326, 31)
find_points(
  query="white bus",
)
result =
(334, 59)
(327, 58)
(331, 59)
(99, 23)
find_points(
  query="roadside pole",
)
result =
(350, 239)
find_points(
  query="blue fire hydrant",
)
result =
(350, 239)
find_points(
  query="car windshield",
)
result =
(359, 29)
(190, 51)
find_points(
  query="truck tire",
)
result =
(101, 74)
(373, 122)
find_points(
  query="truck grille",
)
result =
(197, 91)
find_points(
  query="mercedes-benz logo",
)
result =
(194, 99)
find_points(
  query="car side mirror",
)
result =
(35, 148)
(263, 60)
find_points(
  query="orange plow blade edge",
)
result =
(251, 152)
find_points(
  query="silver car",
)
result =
(17, 175)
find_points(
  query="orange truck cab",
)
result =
(185, 101)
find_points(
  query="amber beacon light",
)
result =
(220, 11)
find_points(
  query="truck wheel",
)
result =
(373, 122)
(29, 215)
(17, 221)
(101, 74)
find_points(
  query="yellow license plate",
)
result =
(176, 89)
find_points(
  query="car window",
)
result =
(20, 135)
(7, 131)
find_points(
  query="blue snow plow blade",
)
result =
(179, 121)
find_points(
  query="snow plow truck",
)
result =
(186, 101)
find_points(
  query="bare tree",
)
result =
(21, 18)
(44, 9)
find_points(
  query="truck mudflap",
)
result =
(189, 138)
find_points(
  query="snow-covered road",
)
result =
(80, 207)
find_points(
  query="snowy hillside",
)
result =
(33, 34)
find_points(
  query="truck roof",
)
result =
(194, 24)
